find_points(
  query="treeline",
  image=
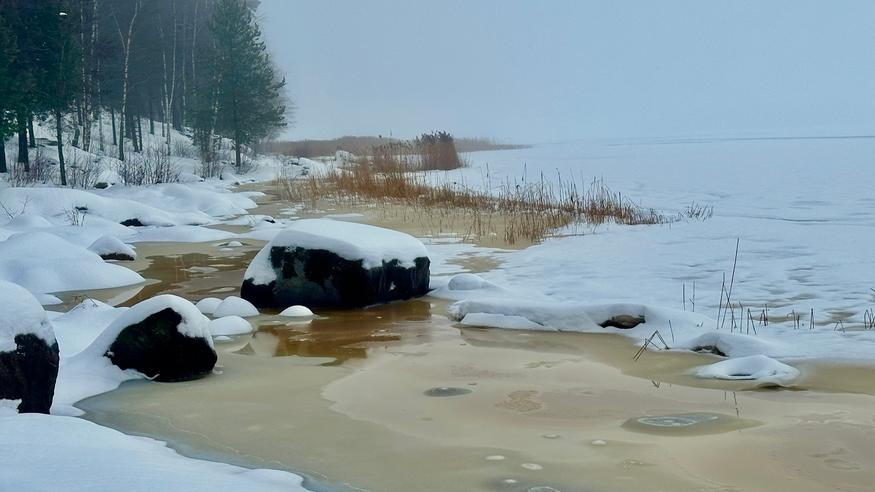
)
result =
(365, 145)
(146, 66)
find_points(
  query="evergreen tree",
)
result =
(8, 52)
(248, 104)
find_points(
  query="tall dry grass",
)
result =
(520, 212)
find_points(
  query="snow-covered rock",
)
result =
(208, 305)
(112, 248)
(297, 311)
(235, 306)
(229, 325)
(762, 370)
(328, 263)
(43, 263)
(165, 338)
(28, 351)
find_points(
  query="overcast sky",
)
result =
(538, 71)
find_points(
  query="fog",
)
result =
(530, 71)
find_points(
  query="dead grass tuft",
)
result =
(520, 212)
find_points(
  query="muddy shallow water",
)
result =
(399, 398)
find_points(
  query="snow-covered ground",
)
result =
(50, 242)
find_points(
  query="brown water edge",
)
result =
(341, 398)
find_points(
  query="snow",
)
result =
(764, 371)
(22, 314)
(297, 311)
(45, 263)
(47, 453)
(351, 241)
(208, 305)
(235, 306)
(109, 245)
(229, 325)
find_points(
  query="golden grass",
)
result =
(518, 212)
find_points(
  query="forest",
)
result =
(107, 72)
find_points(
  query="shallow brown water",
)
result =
(343, 399)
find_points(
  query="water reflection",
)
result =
(343, 335)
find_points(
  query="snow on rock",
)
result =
(235, 306)
(764, 371)
(166, 338)
(28, 351)
(229, 325)
(60, 202)
(112, 248)
(327, 263)
(234, 244)
(734, 345)
(208, 305)
(43, 452)
(351, 241)
(43, 263)
(21, 314)
(185, 198)
(297, 311)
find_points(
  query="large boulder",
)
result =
(325, 263)
(166, 338)
(28, 351)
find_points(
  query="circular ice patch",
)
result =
(446, 391)
(676, 420)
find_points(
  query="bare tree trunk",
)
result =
(126, 46)
(169, 86)
(112, 115)
(30, 135)
(3, 168)
(22, 142)
(98, 111)
(151, 115)
(59, 129)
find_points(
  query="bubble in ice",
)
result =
(494, 457)
(532, 466)
(446, 391)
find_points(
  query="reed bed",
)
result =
(518, 212)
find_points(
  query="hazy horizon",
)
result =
(532, 72)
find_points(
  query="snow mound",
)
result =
(81, 325)
(45, 452)
(208, 305)
(112, 246)
(229, 325)
(28, 221)
(734, 345)
(21, 314)
(43, 263)
(297, 311)
(765, 371)
(58, 202)
(235, 306)
(185, 198)
(351, 241)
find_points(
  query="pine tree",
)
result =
(248, 94)
(8, 52)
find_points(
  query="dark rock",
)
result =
(117, 256)
(319, 278)
(623, 321)
(156, 348)
(135, 222)
(101, 185)
(709, 349)
(29, 373)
